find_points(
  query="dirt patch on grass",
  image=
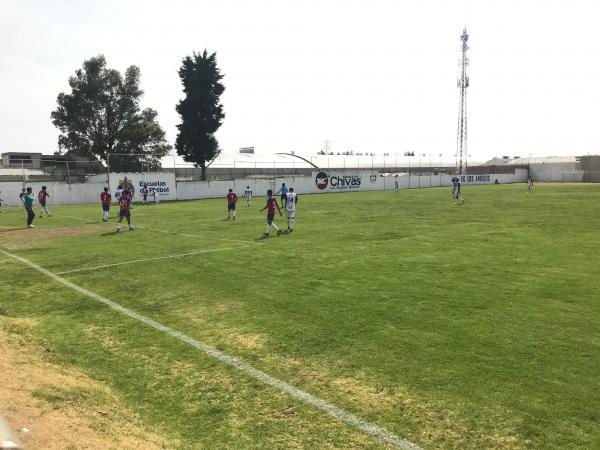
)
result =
(62, 408)
(29, 237)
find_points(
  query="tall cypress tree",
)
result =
(201, 111)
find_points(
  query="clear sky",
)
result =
(369, 76)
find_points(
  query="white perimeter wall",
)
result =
(63, 193)
(556, 172)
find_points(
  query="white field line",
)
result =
(175, 233)
(180, 255)
(334, 411)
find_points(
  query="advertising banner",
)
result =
(163, 183)
(343, 181)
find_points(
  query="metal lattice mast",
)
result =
(463, 84)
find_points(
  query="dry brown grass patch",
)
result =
(62, 408)
(436, 423)
(29, 237)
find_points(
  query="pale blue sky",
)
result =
(371, 76)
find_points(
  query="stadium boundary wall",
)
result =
(168, 188)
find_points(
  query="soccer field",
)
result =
(474, 326)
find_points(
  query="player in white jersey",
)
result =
(248, 195)
(290, 209)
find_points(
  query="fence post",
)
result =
(68, 174)
(108, 171)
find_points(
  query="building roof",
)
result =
(286, 160)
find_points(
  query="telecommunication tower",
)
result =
(463, 84)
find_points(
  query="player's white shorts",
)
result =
(290, 214)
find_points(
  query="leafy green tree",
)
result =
(102, 115)
(201, 111)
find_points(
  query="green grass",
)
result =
(472, 326)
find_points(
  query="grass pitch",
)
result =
(472, 326)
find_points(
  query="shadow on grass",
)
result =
(5, 230)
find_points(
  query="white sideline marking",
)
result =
(175, 233)
(334, 411)
(180, 255)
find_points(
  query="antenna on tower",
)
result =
(463, 84)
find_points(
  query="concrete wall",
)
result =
(60, 193)
(337, 181)
(556, 172)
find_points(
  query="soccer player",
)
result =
(457, 198)
(130, 194)
(284, 191)
(128, 186)
(231, 201)
(119, 192)
(248, 195)
(396, 187)
(529, 184)
(21, 195)
(124, 210)
(270, 207)
(154, 195)
(28, 199)
(290, 209)
(105, 199)
(42, 198)
(144, 192)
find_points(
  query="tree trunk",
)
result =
(203, 176)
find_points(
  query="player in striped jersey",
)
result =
(124, 210)
(270, 207)
(43, 198)
(231, 201)
(105, 199)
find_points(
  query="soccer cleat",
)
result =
(30, 226)
(291, 229)
(278, 232)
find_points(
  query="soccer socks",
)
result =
(274, 226)
(233, 214)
